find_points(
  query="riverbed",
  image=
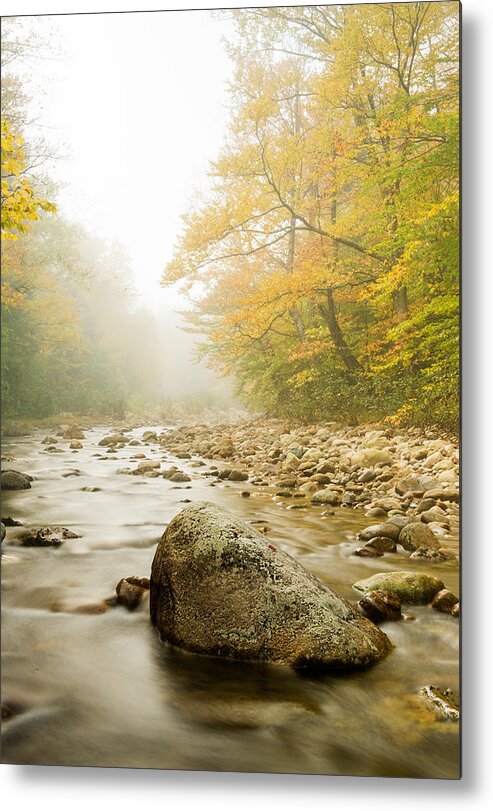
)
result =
(102, 690)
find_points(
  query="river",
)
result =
(102, 690)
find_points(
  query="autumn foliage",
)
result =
(324, 260)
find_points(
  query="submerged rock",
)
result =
(442, 702)
(410, 587)
(218, 587)
(13, 480)
(47, 536)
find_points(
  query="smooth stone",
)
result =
(444, 601)
(217, 587)
(381, 544)
(417, 534)
(387, 530)
(13, 480)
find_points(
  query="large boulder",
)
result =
(218, 587)
(13, 480)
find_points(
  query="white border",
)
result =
(82, 788)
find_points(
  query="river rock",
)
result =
(442, 702)
(130, 591)
(75, 445)
(423, 553)
(387, 530)
(380, 606)
(148, 464)
(411, 484)
(444, 601)
(178, 476)
(437, 494)
(218, 587)
(238, 476)
(410, 587)
(381, 544)
(367, 552)
(47, 536)
(417, 534)
(73, 432)
(150, 436)
(13, 480)
(369, 457)
(326, 497)
(113, 439)
(49, 440)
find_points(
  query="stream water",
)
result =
(102, 690)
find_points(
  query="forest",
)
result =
(72, 336)
(324, 262)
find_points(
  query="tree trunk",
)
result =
(329, 313)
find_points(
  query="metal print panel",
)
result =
(230, 390)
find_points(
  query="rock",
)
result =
(400, 520)
(75, 445)
(73, 432)
(442, 702)
(430, 555)
(326, 497)
(3, 531)
(113, 439)
(370, 457)
(376, 512)
(47, 536)
(8, 521)
(424, 505)
(291, 462)
(90, 489)
(180, 477)
(148, 464)
(130, 590)
(217, 587)
(387, 530)
(381, 544)
(367, 552)
(13, 480)
(410, 587)
(411, 484)
(455, 610)
(367, 476)
(444, 601)
(436, 515)
(417, 534)
(380, 606)
(150, 436)
(49, 440)
(437, 494)
(238, 476)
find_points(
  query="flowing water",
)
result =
(102, 690)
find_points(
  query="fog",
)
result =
(132, 107)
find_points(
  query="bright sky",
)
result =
(139, 103)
